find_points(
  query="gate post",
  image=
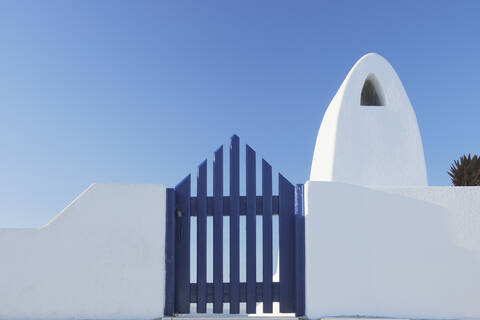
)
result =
(299, 251)
(182, 246)
(170, 254)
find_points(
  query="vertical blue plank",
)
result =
(170, 254)
(202, 238)
(251, 231)
(182, 254)
(267, 237)
(234, 225)
(218, 231)
(287, 245)
(299, 251)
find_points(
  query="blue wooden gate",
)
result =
(288, 205)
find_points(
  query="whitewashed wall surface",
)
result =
(101, 258)
(409, 252)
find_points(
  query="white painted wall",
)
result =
(101, 258)
(370, 145)
(409, 252)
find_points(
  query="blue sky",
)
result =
(142, 92)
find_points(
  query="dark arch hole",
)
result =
(370, 96)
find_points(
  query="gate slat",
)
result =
(182, 256)
(251, 230)
(234, 225)
(202, 238)
(218, 230)
(243, 292)
(286, 193)
(226, 206)
(170, 254)
(267, 237)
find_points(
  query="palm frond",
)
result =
(465, 171)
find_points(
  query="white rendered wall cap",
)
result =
(369, 134)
